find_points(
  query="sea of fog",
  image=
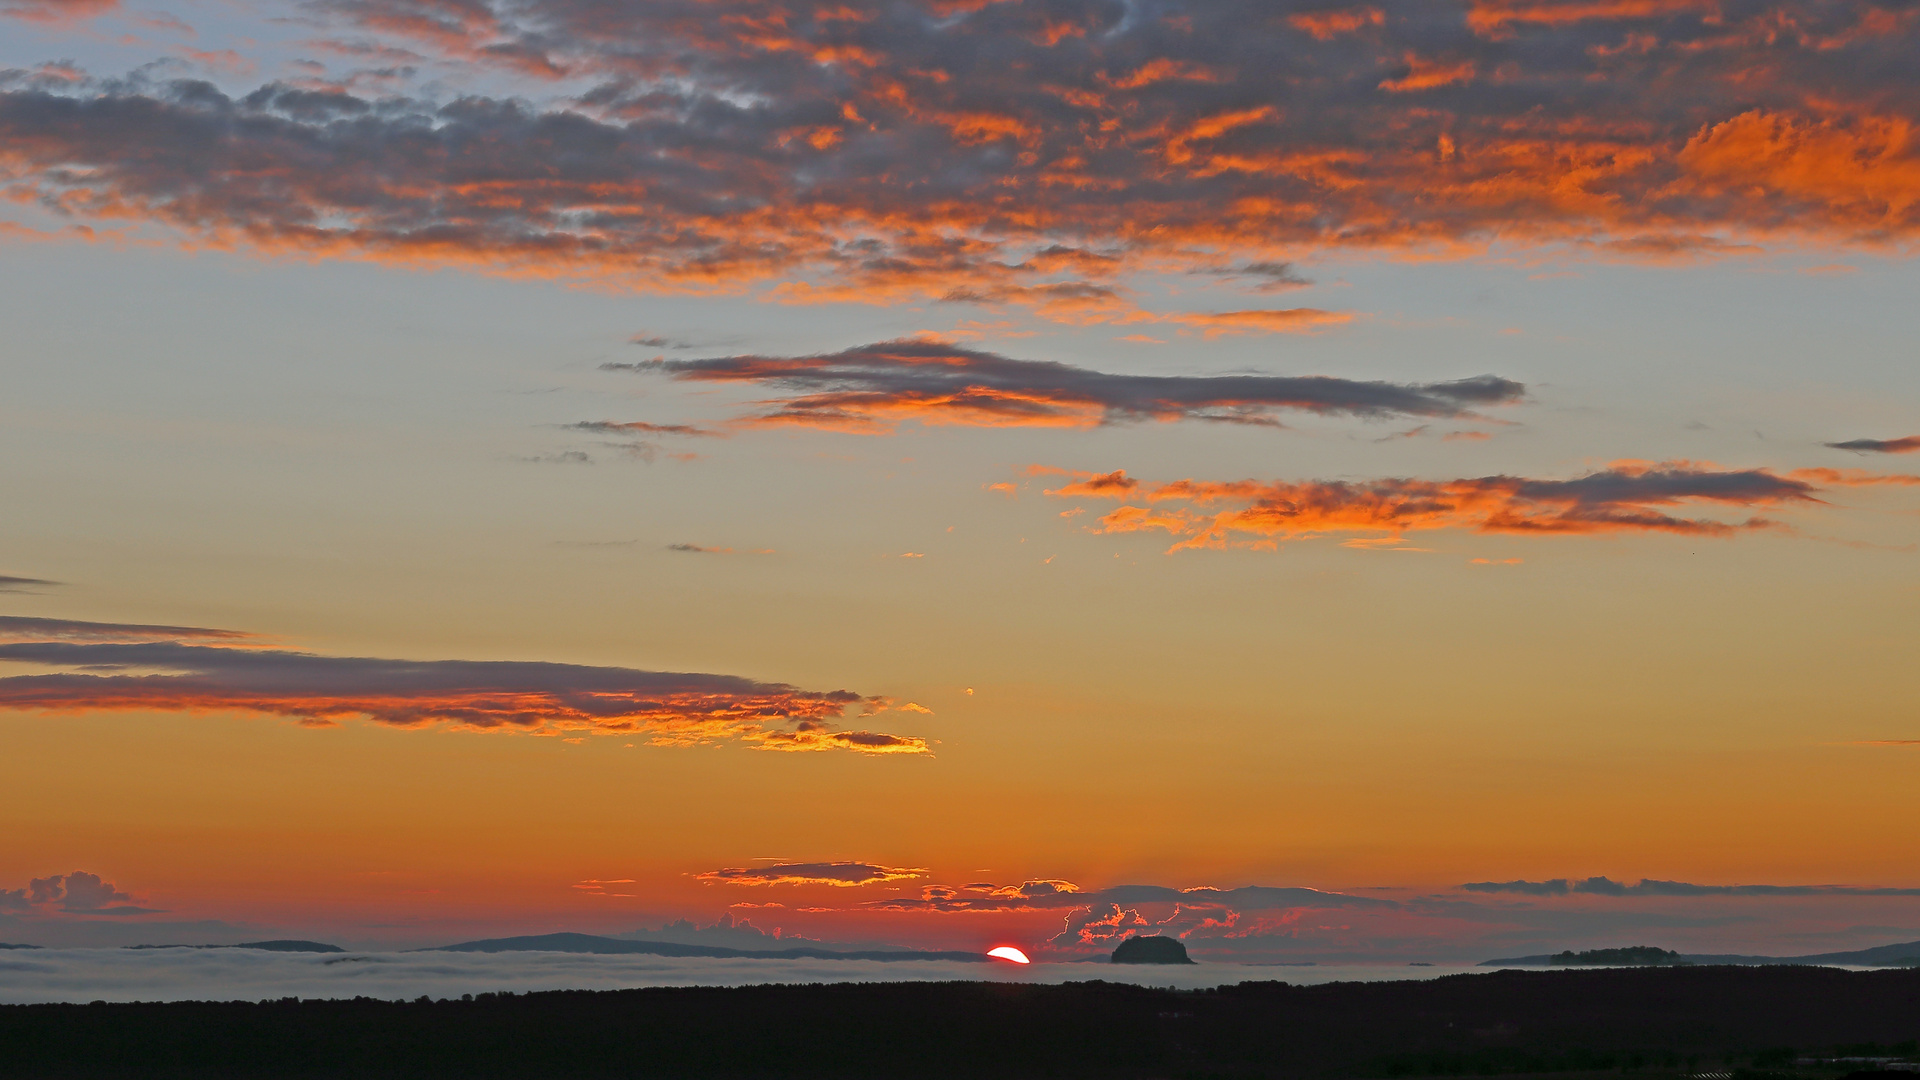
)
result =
(82, 975)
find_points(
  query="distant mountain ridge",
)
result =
(1900, 955)
(277, 945)
(592, 943)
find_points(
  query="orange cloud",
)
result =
(1423, 74)
(1861, 171)
(1495, 16)
(1163, 69)
(1214, 324)
(1327, 25)
(1627, 496)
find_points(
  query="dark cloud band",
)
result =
(873, 387)
(105, 670)
(823, 873)
(1908, 445)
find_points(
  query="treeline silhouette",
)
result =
(1681, 1019)
(1632, 955)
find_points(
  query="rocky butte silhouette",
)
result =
(1151, 950)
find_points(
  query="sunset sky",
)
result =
(1419, 480)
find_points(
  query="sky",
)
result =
(1331, 482)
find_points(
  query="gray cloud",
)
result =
(634, 427)
(77, 893)
(9, 583)
(873, 387)
(22, 628)
(1265, 277)
(1907, 445)
(1555, 887)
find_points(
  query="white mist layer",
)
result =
(82, 975)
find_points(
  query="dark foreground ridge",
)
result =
(1650, 1022)
(590, 943)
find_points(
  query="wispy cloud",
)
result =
(1053, 893)
(1908, 445)
(17, 628)
(9, 583)
(56, 12)
(112, 667)
(635, 427)
(1603, 886)
(872, 388)
(816, 873)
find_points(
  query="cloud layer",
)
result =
(123, 667)
(871, 388)
(1624, 497)
(1602, 886)
(1100, 918)
(1028, 153)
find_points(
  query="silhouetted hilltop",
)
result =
(279, 945)
(1905, 954)
(591, 943)
(1654, 1023)
(290, 945)
(1151, 950)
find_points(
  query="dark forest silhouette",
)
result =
(1671, 1019)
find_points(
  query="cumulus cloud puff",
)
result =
(131, 667)
(77, 893)
(871, 388)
